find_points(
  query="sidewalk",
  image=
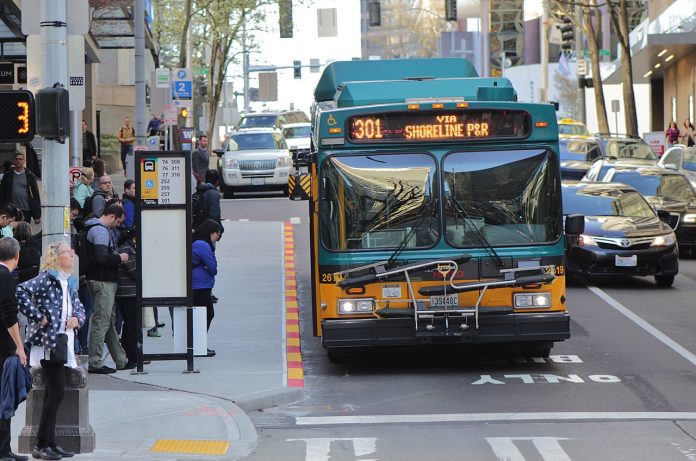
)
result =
(130, 413)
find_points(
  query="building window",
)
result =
(674, 108)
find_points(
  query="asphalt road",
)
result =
(621, 388)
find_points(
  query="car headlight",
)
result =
(689, 218)
(584, 240)
(663, 240)
(532, 300)
(356, 306)
(231, 163)
(283, 161)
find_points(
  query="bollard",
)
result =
(73, 431)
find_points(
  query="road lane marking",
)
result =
(663, 338)
(548, 448)
(492, 417)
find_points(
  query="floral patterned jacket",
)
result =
(42, 297)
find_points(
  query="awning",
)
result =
(113, 27)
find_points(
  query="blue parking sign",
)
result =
(149, 184)
(182, 89)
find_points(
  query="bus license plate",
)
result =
(626, 261)
(444, 300)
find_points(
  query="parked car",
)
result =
(665, 190)
(272, 119)
(623, 235)
(261, 162)
(570, 127)
(620, 151)
(681, 158)
(298, 137)
(577, 156)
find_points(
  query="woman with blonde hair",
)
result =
(54, 311)
(83, 189)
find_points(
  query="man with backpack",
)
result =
(205, 203)
(98, 254)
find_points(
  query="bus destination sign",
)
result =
(438, 126)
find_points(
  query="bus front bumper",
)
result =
(513, 328)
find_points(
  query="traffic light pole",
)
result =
(140, 111)
(55, 189)
(578, 56)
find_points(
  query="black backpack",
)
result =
(197, 209)
(82, 248)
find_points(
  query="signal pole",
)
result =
(544, 52)
(578, 57)
(55, 219)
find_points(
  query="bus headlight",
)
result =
(663, 240)
(532, 300)
(356, 306)
(689, 218)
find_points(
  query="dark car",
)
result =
(577, 156)
(623, 235)
(665, 190)
(620, 151)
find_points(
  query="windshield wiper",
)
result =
(459, 208)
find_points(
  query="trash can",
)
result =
(200, 330)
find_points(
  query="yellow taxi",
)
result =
(569, 127)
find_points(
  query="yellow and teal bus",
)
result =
(435, 209)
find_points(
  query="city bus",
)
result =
(435, 209)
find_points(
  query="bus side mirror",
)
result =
(574, 224)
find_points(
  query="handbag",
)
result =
(59, 355)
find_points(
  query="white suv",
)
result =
(260, 161)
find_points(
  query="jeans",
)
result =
(125, 150)
(53, 397)
(101, 326)
(5, 425)
(86, 300)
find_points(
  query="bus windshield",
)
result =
(378, 201)
(508, 198)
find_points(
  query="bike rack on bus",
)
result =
(514, 277)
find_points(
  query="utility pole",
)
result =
(245, 69)
(140, 111)
(485, 38)
(189, 65)
(544, 52)
(55, 189)
(578, 56)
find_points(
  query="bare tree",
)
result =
(619, 18)
(592, 34)
(566, 89)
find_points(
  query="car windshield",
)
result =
(378, 202)
(577, 130)
(508, 197)
(668, 185)
(253, 141)
(629, 150)
(689, 159)
(605, 202)
(258, 121)
(584, 151)
(296, 132)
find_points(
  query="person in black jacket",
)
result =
(210, 199)
(22, 189)
(89, 145)
(10, 340)
(29, 253)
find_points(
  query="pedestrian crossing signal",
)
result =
(16, 116)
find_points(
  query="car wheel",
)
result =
(664, 280)
(286, 191)
(227, 191)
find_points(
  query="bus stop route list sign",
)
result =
(163, 181)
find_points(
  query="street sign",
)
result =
(162, 78)
(153, 143)
(555, 34)
(74, 175)
(170, 117)
(581, 67)
(201, 71)
(182, 85)
(615, 105)
(604, 53)
(7, 73)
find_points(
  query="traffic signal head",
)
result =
(184, 112)
(451, 10)
(297, 69)
(567, 33)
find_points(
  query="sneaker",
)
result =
(45, 453)
(128, 366)
(211, 353)
(161, 325)
(214, 299)
(101, 371)
(153, 333)
(62, 451)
